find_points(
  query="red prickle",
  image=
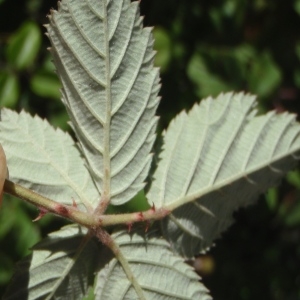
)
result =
(129, 227)
(42, 212)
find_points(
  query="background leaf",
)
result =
(9, 89)
(163, 46)
(105, 62)
(219, 157)
(161, 273)
(46, 85)
(24, 46)
(48, 163)
(207, 83)
(59, 267)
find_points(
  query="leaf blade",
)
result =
(48, 162)
(237, 156)
(103, 64)
(60, 266)
(161, 274)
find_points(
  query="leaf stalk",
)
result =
(74, 214)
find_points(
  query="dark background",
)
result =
(204, 47)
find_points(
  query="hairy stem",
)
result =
(48, 205)
(83, 218)
(148, 215)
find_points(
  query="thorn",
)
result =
(61, 210)
(42, 212)
(250, 180)
(147, 226)
(140, 216)
(129, 227)
(74, 203)
(153, 208)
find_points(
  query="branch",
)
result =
(49, 206)
(151, 214)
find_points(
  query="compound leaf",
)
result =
(216, 158)
(45, 160)
(60, 267)
(160, 273)
(105, 62)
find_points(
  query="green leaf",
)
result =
(207, 83)
(28, 233)
(6, 264)
(263, 67)
(24, 46)
(292, 215)
(160, 273)
(60, 119)
(216, 158)
(294, 178)
(17, 225)
(45, 160)
(9, 89)
(297, 6)
(7, 218)
(58, 268)
(163, 46)
(137, 203)
(105, 62)
(272, 198)
(46, 84)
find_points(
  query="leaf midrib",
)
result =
(106, 126)
(215, 187)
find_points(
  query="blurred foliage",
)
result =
(23, 46)
(204, 47)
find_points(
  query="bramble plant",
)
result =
(215, 158)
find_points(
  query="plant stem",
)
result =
(49, 206)
(83, 218)
(148, 215)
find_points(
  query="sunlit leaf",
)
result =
(218, 157)
(105, 62)
(160, 273)
(48, 163)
